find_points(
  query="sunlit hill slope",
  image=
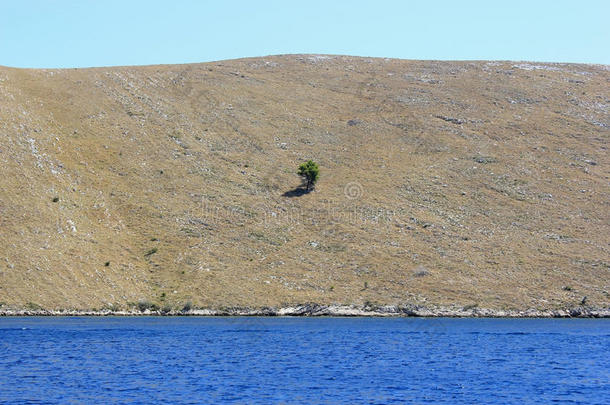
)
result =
(442, 183)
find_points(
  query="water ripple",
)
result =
(303, 360)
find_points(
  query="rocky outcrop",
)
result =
(317, 310)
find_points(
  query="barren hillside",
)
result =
(442, 183)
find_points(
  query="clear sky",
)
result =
(79, 33)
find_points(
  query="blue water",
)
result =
(304, 360)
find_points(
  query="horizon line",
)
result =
(305, 54)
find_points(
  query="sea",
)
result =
(303, 360)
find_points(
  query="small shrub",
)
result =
(55, 199)
(107, 264)
(187, 306)
(33, 306)
(143, 306)
(147, 305)
(151, 252)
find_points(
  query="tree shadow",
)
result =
(297, 192)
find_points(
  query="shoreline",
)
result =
(315, 310)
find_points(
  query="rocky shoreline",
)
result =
(315, 310)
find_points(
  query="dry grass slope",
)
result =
(466, 183)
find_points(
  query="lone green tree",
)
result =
(310, 173)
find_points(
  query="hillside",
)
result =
(442, 183)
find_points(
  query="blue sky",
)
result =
(80, 33)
